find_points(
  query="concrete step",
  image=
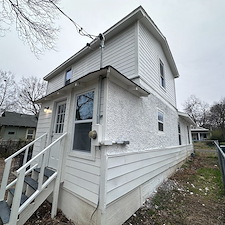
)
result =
(4, 212)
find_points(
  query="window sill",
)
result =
(83, 155)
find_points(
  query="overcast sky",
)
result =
(195, 31)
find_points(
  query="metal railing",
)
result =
(38, 161)
(9, 160)
(221, 158)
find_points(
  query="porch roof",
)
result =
(109, 72)
(187, 118)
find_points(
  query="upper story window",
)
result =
(68, 76)
(160, 121)
(162, 75)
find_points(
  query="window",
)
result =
(160, 120)
(162, 75)
(60, 117)
(30, 134)
(83, 121)
(11, 132)
(179, 133)
(68, 76)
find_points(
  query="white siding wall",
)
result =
(56, 82)
(82, 178)
(43, 126)
(150, 152)
(129, 171)
(119, 52)
(185, 128)
(150, 54)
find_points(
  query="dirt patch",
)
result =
(193, 195)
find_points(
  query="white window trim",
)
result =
(159, 121)
(160, 75)
(179, 134)
(33, 135)
(82, 154)
(65, 78)
(56, 113)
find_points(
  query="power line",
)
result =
(79, 29)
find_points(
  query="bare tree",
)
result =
(217, 116)
(34, 21)
(7, 91)
(198, 110)
(31, 89)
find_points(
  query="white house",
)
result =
(200, 133)
(126, 98)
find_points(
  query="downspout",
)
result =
(100, 81)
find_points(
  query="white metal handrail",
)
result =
(8, 163)
(221, 158)
(21, 172)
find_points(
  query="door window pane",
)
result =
(82, 141)
(60, 117)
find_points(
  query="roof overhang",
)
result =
(200, 130)
(138, 14)
(187, 118)
(109, 72)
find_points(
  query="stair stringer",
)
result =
(29, 210)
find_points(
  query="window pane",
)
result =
(81, 139)
(161, 69)
(84, 108)
(160, 116)
(160, 126)
(60, 118)
(30, 131)
(68, 74)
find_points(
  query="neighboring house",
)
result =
(16, 126)
(200, 133)
(121, 133)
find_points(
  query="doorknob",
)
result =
(92, 134)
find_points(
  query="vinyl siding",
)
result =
(43, 126)
(119, 52)
(150, 152)
(127, 172)
(150, 54)
(82, 178)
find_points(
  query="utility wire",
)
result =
(79, 29)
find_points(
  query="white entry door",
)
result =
(56, 133)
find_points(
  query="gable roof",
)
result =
(138, 14)
(18, 120)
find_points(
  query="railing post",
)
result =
(221, 159)
(25, 155)
(5, 178)
(58, 179)
(17, 197)
(41, 174)
(42, 146)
